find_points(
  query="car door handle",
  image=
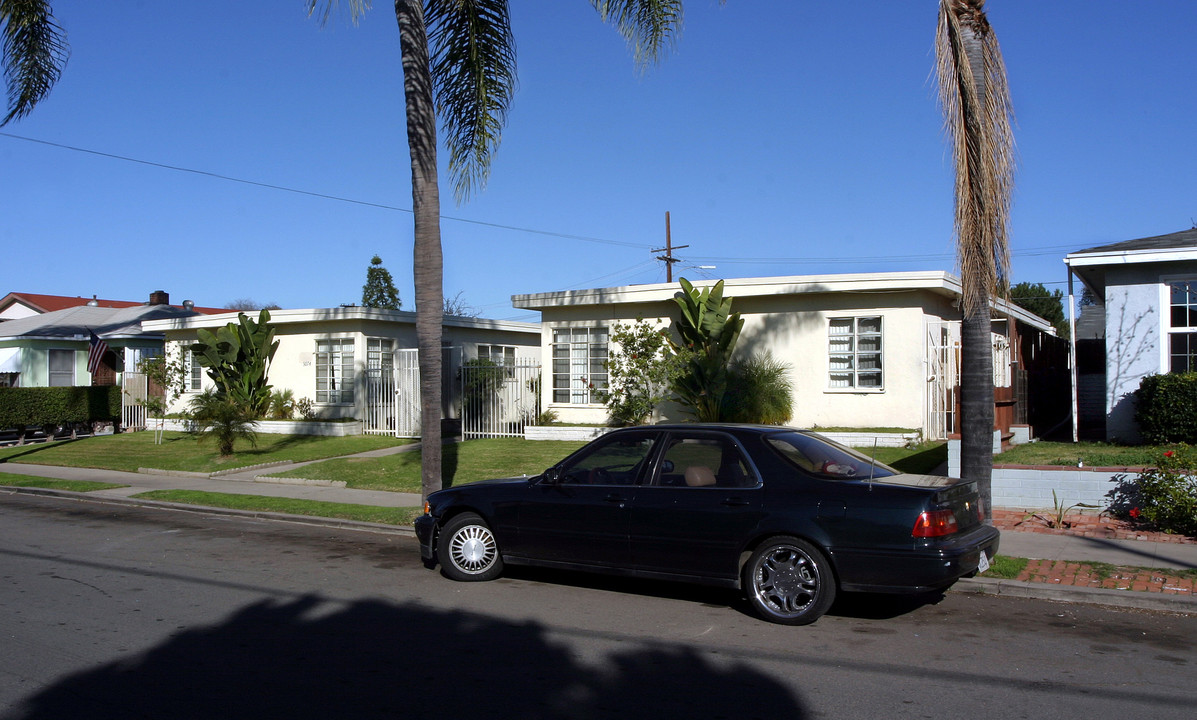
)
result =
(615, 498)
(735, 502)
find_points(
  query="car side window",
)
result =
(704, 462)
(616, 462)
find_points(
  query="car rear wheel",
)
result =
(789, 581)
(467, 550)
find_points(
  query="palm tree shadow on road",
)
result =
(373, 659)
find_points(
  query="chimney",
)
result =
(159, 297)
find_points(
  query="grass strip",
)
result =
(461, 463)
(181, 451)
(290, 506)
(15, 480)
(1005, 567)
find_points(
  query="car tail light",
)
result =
(980, 511)
(934, 523)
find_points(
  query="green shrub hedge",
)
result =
(38, 407)
(1166, 408)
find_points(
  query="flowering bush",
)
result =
(1164, 497)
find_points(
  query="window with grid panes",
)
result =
(579, 365)
(1182, 326)
(380, 354)
(854, 353)
(498, 354)
(192, 372)
(334, 371)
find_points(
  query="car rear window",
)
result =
(823, 458)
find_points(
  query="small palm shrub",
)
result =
(216, 416)
(282, 405)
(759, 390)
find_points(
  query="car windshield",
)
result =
(821, 457)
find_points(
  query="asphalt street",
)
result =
(121, 611)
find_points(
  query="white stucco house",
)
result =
(866, 350)
(1142, 320)
(357, 362)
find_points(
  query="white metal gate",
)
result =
(943, 375)
(393, 397)
(134, 392)
(498, 400)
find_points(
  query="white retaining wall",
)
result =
(1028, 488)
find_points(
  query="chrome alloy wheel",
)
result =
(788, 581)
(472, 549)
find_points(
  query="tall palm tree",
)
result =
(977, 112)
(34, 51)
(458, 59)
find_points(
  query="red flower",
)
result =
(1168, 453)
(1134, 512)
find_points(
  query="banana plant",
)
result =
(708, 330)
(237, 358)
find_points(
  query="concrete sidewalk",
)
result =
(1034, 545)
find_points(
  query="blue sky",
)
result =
(784, 138)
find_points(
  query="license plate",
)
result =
(983, 563)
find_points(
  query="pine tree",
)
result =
(379, 290)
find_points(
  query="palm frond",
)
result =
(34, 54)
(357, 8)
(975, 98)
(649, 26)
(474, 77)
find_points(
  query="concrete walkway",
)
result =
(1035, 545)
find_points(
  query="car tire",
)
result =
(468, 551)
(789, 581)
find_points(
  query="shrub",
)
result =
(1163, 497)
(37, 407)
(1166, 408)
(759, 390)
(640, 370)
(221, 418)
(282, 405)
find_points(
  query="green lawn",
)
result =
(180, 451)
(1092, 454)
(460, 463)
(313, 508)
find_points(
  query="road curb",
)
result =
(1072, 593)
(207, 510)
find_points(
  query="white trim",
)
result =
(1130, 257)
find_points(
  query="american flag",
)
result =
(95, 353)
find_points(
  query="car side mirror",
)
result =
(552, 476)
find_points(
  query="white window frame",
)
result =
(844, 360)
(340, 372)
(193, 372)
(1170, 330)
(380, 354)
(51, 373)
(498, 354)
(574, 354)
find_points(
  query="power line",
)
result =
(1046, 250)
(322, 196)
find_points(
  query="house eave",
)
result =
(934, 281)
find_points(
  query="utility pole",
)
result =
(668, 257)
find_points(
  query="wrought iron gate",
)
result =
(498, 400)
(393, 397)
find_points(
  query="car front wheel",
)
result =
(789, 581)
(467, 549)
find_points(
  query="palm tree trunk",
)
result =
(428, 263)
(976, 103)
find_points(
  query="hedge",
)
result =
(1166, 408)
(39, 407)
